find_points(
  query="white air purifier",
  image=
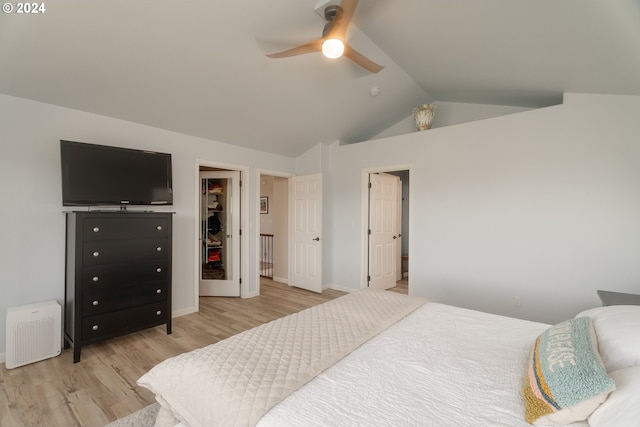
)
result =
(34, 333)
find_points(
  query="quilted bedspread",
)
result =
(237, 380)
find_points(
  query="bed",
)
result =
(381, 358)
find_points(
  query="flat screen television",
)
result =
(95, 175)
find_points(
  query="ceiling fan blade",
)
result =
(342, 20)
(314, 46)
(361, 60)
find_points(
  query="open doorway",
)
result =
(220, 245)
(290, 213)
(386, 236)
(402, 282)
(273, 250)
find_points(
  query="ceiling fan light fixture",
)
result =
(333, 48)
(332, 43)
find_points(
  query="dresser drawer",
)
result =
(114, 275)
(124, 321)
(125, 227)
(120, 251)
(104, 299)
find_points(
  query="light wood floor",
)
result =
(102, 386)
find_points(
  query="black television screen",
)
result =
(102, 175)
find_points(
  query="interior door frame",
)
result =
(244, 226)
(259, 173)
(364, 253)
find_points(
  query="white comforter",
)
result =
(440, 366)
(236, 381)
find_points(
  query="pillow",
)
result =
(622, 407)
(565, 380)
(618, 331)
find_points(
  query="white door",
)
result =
(399, 231)
(220, 234)
(305, 232)
(383, 212)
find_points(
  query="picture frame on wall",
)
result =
(264, 205)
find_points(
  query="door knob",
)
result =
(317, 239)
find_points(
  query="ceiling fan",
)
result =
(332, 44)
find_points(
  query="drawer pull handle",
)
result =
(95, 302)
(96, 229)
(159, 249)
(159, 228)
(94, 328)
(158, 313)
(96, 254)
(158, 270)
(158, 291)
(95, 278)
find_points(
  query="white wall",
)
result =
(31, 220)
(311, 161)
(543, 205)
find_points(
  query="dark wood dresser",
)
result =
(118, 275)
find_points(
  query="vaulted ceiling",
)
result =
(198, 67)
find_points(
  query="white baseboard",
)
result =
(281, 280)
(339, 288)
(183, 312)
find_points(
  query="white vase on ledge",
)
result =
(423, 116)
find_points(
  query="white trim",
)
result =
(279, 174)
(244, 225)
(259, 173)
(183, 312)
(364, 256)
(339, 288)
